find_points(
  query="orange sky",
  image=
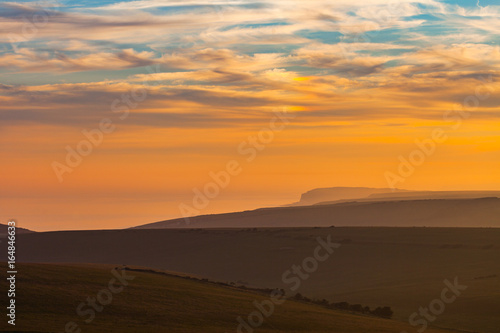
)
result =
(171, 109)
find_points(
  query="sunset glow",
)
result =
(167, 92)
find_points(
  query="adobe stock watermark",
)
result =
(33, 23)
(103, 298)
(293, 278)
(250, 148)
(437, 306)
(93, 138)
(427, 147)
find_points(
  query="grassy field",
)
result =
(403, 268)
(48, 295)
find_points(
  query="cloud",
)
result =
(458, 57)
(28, 60)
(346, 58)
(247, 55)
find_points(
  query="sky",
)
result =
(115, 114)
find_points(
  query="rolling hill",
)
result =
(3, 230)
(421, 195)
(48, 296)
(403, 268)
(484, 212)
(331, 195)
(341, 193)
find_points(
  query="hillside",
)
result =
(332, 195)
(341, 193)
(403, 268)
(421, 195)
(409, 213)
(49, 294)
(3, 230)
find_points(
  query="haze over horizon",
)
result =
(335, 196)
(160, 94)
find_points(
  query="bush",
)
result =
(385, 312)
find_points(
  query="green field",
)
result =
(48, 295)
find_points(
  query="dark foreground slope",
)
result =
(48, 296)
(431, 213)
(403, 268)
(4, 228)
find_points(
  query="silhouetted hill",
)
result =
(483, 212)
(422, 195)
(3, 230)
(340, 193)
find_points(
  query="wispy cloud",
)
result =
(361, 78)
